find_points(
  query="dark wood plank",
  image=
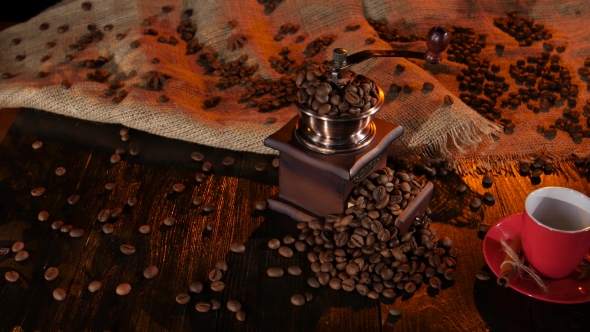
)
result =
(186, 252)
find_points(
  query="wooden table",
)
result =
(186, 252)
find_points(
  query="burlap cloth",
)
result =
(431, 127)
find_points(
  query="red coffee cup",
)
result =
(556, 230)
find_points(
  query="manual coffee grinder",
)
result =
(322, 157)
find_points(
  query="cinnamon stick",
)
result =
(507, 268)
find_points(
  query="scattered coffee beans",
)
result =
(275, 272)
(57, 225)
(73, 200)
(274, 244)
(108, 228)
(196, 287)
(94, 286)
(286, 252)
(76, 233)
(104, 215)
(38, 192)
(169, 221)
(60, 171)
(127, 249)
(522, 28)
(203, 307)
(238, 248)
(123, 289)
(179, 187)
(150, 272)
(37, 145)
(18, 246)
(233, 306)
(182, 298)
(11, 276)
(59, 294)
(298, 300)
(217, 286)
(294, 270)
(43, 216)
(51, 273)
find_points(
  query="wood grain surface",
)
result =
(186, 252)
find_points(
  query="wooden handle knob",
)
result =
(437, 42)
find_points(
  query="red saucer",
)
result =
(567, 290)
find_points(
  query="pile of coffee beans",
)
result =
(318, 45)
(363, 250)
(522, 28)
(465, 44)
(358, 94)
(388, 34)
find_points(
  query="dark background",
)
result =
(22, 10)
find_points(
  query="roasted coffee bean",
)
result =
(45, 58)
(150, 272)
(104, 215)
(428, 86)
(57, 225)
(108, 228)
(203, 307)
(15, 41)
(198, 200)
(115, 159)
(51, 273)
(37, 145)
(488, 180)
(475, 203)
(135, 44)
(123, 289)
(395, 311)
(362, 289)
(488, 197)
(260, 167)
(462, 188)
(11, 276)
(275, 163)
(294, 270)
(215, 275)
(182, 298)
(228, 161)
(207, 167)
(483, 275)
(132, 201)
(108, 27)
(120, 36)
(134, 151)
(313, 282)
(169, 221)
(20, 57)
(38, 192)
(435, 282)
(217, 286)
(261, 205)
(94, 286)
(286, 252)
(21, 256)
(210, 226)
(59, 294)
(450, 274)
(275, 272)
(201, 177)
(145, 229)
(43, 216)
(335, 283)
(44, 26)
(298, 300)
(178, 187)
(86, 6)
(274, 244)
(60, 171)
(196, 287)
(127, 249)
(18, 246)
(6, 76)
(221, 265)
(76, 232)
(234, 305)
(241, 316)
(73, 200)
(208, 207)
(237, 248)
(66, 228)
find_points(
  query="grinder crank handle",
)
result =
(437, 42)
